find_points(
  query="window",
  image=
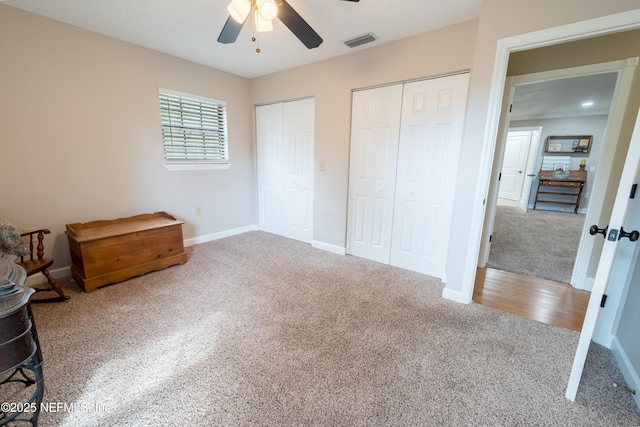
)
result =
(194, 131)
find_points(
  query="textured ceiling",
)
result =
(189, 28)
(564, 97)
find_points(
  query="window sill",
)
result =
(196, 166)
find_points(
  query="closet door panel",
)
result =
(298, 152)
(285, 135)
(430, 136)
(270, 149)
(374, 147)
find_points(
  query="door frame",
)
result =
(610, 24)
(625, 69)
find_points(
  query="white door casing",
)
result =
(619, 219)
(430, 136)
(375, 128)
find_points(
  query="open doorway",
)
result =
(609, 49)
(552, 102)
(551, 244)
(537, 229)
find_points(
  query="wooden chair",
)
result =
(35, 262)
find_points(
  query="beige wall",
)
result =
(80, 137)
(331, 83)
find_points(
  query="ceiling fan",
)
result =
(265, 11)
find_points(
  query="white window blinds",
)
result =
(194, 128)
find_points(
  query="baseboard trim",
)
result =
(626, 368)
(455, 296)
(588, 284)
(338, 250)
(65, 272)
(219, 235)
(39, 279)
(581, 281)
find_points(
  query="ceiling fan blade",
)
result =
(230, 31)
(297, 25)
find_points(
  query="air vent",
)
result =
(360, 40)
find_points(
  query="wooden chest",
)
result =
(112, 251)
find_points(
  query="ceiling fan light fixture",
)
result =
(262, 25)
(239, 10)
(268, 10)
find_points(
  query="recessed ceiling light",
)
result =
(587, 103)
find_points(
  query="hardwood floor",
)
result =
(543, 300)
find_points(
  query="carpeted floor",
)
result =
(260, 330)
(537, 243)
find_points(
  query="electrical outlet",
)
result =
(322, 166)
(198, 210)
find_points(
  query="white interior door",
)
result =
(270, 148)
(619, 219)
(514, 165)
(298, 169)
(375, 126)
(285, 143)
(430, 137)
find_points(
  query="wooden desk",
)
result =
(112, 251)
(561, 189)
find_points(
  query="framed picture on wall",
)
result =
(568, 144)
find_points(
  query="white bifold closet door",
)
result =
(375, 128)
(405, 144)
(285, 139)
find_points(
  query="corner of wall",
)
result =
(455, 296)
(338, 250)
